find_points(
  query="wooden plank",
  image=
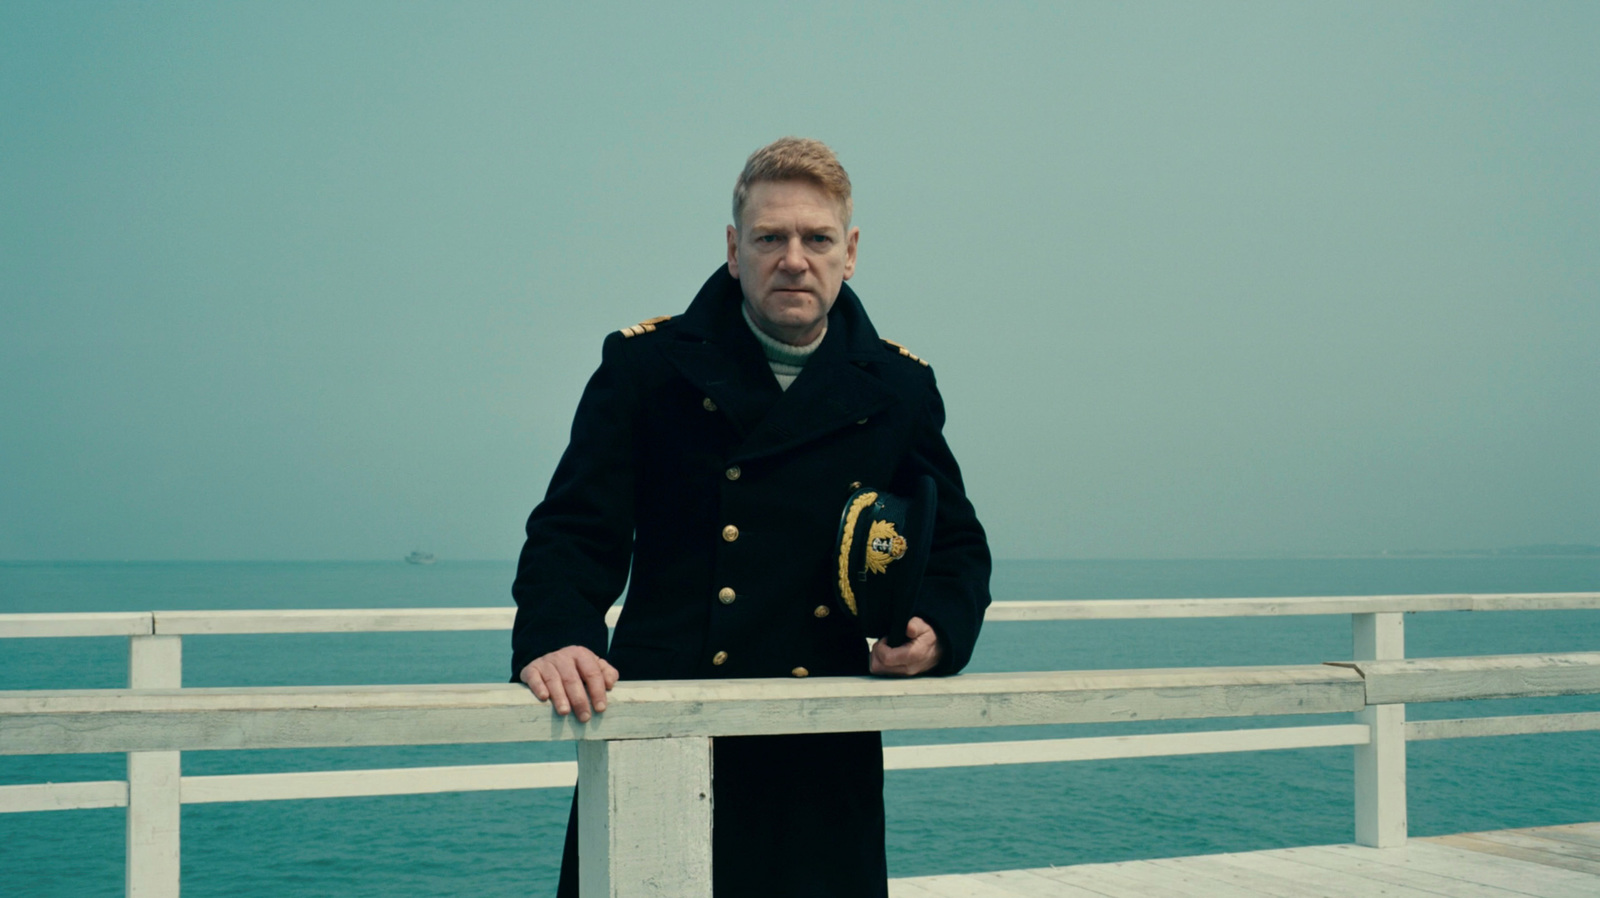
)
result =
(1030, 884)
(1380, 774)
(1524, 838)
(1473, 842)
(970, 885)
(1422, 869)
(342, 620)
(332, 620)
(644, 818)
(63, 796)
(390, 781)
(151, 858)
(1235, 880)
(325, 620)
(109, 623)
(1125, 609)
(1429, 856)
(1577, 833)
(563, 774)
(1148, 745)
(1470, 727)
(1127, 879)
(1535, 601)
(910, 888)
(36, 722)
(1485, 676)
(1316, 862)
(1295, 878)
(1165, 876)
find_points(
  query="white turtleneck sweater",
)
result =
(785, 360)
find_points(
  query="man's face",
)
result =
(791, 256)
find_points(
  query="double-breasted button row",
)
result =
(730, 533)
(726, 595)
(719, 658)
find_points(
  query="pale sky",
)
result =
(324, 281)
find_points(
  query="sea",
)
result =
(940, 821)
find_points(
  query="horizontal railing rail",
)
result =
(673, 721)
(116, 720)
(156, 720)
(393, 620)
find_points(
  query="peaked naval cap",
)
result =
(883, 547)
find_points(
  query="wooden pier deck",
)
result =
(1543, 862)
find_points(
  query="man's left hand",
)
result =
(912, 658)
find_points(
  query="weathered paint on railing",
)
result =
(645, 763)
(154, 790)
(1481, 677)
(102, 720)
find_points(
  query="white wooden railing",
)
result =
(639, 824)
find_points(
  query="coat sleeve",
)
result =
(580, 538)
(955, 586)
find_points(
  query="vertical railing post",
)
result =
(644, 818)
(1381, 763)
(154, 778)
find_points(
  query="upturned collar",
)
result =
(714, 316)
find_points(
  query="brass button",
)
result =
(718, 658)
(855, 485)
(708, 405)
(821, 611)
(726, 595)
(733, 473)
(730, 533)
(800, 672)
(862, 421)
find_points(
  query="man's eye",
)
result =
(767, 238)
(821, 238)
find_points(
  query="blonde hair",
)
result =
(794, 159)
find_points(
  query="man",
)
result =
(713, 453)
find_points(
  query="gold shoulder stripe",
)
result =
(645, 326)
(905, 352)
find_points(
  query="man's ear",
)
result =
(850, 252)
(733, 252)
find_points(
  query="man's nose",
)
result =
(794, 257)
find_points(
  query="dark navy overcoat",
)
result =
(716, 497)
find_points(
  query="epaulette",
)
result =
(645, 326)
(905, 352)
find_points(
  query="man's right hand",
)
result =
(573, 679)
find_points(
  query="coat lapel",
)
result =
(717, 353)
(732, 383)
(830, 393)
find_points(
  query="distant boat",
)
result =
(420, 557)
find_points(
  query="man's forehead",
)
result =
(784, 204)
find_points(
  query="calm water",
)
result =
(941, 821)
